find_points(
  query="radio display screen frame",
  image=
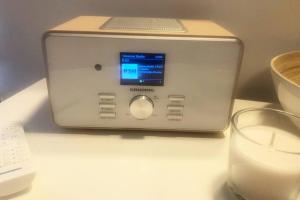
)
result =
(143, 69)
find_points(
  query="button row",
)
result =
(175, 109)
(107, 105)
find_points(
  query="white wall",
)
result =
(267, 28)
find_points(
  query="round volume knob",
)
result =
(141, 107)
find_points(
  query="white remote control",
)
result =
(16, 167)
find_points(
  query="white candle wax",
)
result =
(261, 172)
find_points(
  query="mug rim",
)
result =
(274, 59)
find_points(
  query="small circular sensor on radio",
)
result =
(98, 67)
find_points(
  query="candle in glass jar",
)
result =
(259, 169)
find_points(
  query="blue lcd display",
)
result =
(142, 68)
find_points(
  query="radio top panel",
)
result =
(143, 26)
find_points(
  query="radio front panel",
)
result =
(141, 82)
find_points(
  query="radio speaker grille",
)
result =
(144, 24)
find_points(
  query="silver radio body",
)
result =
(140, 79)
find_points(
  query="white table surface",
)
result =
(114, 165)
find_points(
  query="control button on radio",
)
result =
(106, 97)
(108, 115)
(141, 107)
(175, 117)
(176, 98)
(175, 108)
(107, 106)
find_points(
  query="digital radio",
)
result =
(141, 73)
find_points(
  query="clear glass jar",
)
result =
(264, 157)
